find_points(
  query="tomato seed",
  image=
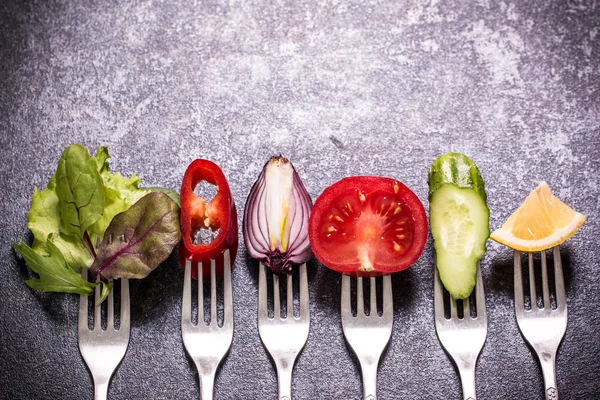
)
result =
(361, 197)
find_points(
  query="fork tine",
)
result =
(388, 300)
(125, 314)
(360, 301)
(480, 297)
(532, 293)
(276, 305)
(519, 298)
(303, 293)
(466, 307)
(346, 307)
(200, 267)
(83, 304)
(290, 297)
(453, 312)
(213, 292)
(561, 301)
(373, 300)
(262, 292)
(438, 300)
(97, 307)
(110, 311)
(186, 306)
(545, 290)
(227, 291)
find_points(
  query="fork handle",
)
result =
(369, 378)
(284, 380)
(467, 378)
(547, 361)
(207, 384)
(101, 389)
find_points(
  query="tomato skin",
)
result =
(221, 212)
(365, 186)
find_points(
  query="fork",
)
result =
(543, 328)
(207, 344)
(284, 338)
(462, 338)
(367, 335)
(103, 350)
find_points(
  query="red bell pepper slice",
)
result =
(220, 213)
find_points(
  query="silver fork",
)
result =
(543, 328)
(207, 344)
(103, 350)
(367, 335)
(462, 338)
(284, 338)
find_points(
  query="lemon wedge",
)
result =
(541, 222)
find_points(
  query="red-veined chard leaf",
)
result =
(151, 231)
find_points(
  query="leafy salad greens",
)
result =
(84, 205)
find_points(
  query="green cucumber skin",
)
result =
(457, 169)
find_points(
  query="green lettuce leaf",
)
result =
(106, 288)
(80, 191)
(44, 223)
(151, 231)
(55, 275)
(120, 193)
(101, 157)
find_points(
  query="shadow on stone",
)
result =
(154, 295)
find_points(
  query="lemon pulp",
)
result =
(541, 222)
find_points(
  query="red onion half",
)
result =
(276, 217)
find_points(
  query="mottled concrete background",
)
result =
(342, 87)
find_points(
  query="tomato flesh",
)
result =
(368, 226)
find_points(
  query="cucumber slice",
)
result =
(459, 219)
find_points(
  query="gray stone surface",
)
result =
(342, 88)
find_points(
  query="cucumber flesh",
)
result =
(459, 220)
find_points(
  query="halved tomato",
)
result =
(368, 226)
